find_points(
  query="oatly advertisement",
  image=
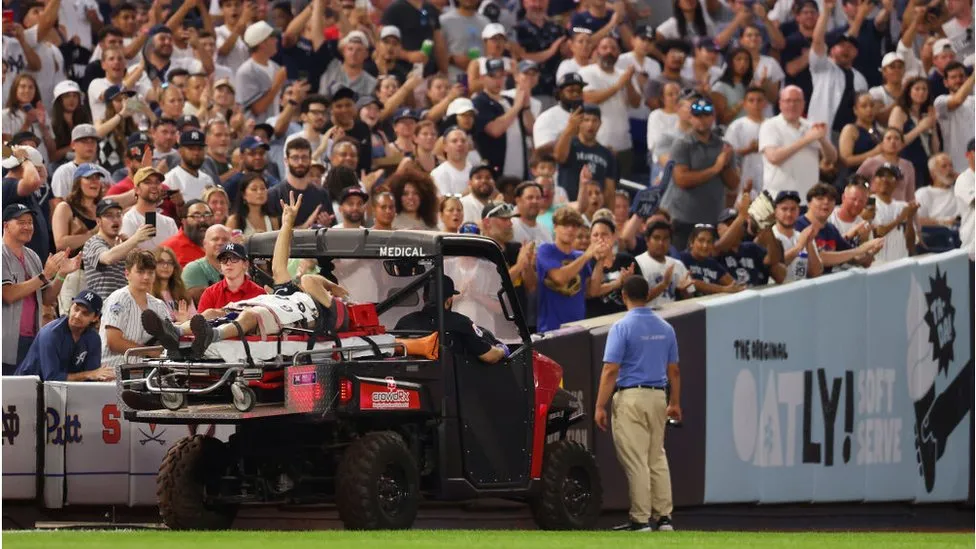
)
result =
(831, 390)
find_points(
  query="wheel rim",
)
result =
(577, 492)
(392, 490)
(171, 401)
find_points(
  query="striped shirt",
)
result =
(101, 278)
(121, 311)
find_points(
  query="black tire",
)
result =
(195, 462)
(378, 484)
(572, 493)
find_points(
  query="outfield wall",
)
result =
(811, 392)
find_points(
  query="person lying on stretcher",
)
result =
(313, 299)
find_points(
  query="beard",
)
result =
(483, 192)
(194, 163)
(195, 234)
(298, 171)
(608, 61)
(354, 217)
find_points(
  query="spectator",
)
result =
(254, 151)
(675, 53)
(113, 63)
(204, 272)
(937, 205)
(168, 286)
(833, 249)
(165, 136)
(121, 327)
(74, 221)
(537, 34)
(645, 68)
(316, 204)
(338, 179)
(709, 275)
(419, 24)
(68, 112)
(348, 71)
(416, 200)
(965, 190)
(703, 171)
(549, 124)
(752, 263)
(590, 199)
(835, 80)
(915, 117)
(217, 163)
(231, 49)
(703, 69)
(481, 183)
(689, 20)
(25, 176)
(103, 255)
(602, 21)
(135, 156)
(404, 124)
(526, 228)
(861, 139)
(580, 49)
(892, 87)
(187, 177)
(216, 198)
(84, 143)
(768, 74)
(352, 206)
(187, 244)
(147, 184)
(383, 206)
(565, 275)
(800, 253)
(895, 219)
(451, 214)
(235, 285)
(502, 124)
(386, 57)
(251, 212)
(616, 267)
(956, 111)
(496, 224)
(451, 176)
(27, 285)
(668, 278)
(69, 349)
(729, 92)
(852, 218)
(887, 153)
(943, 55)
(343, 111)
(869, 24)
(662, 120)
(743, 135)
(116, 128)
(613, 91)
(462, 29)
(24, 112)
(314, 117)
(791, 147)
(255, 86)
(577, 147)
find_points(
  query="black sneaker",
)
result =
(664, 525)
(164, 331)
(631, 526)
(203, 335)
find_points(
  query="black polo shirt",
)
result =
(492, 149)
(472, 339)
(535, 39)
(416, 25)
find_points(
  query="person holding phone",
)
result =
(148, 182)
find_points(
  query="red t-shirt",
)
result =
(217, 296)
(184, 248)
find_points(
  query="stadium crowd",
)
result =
(142, 140)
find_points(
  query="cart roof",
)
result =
(368, 243)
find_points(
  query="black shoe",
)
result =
(164, 331)
(631, 526)
(140, 401)
(203, 335)
(664, 525)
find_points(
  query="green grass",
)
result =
(471, 539)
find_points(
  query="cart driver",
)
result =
(301, 304)
(474, 339)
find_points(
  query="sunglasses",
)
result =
(504, 209)
(787, 194)
(704, 226)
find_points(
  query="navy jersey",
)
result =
(707, 270)
(747, 264)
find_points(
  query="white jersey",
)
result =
(894, 242)
(191, 186)
(799, 267)
(450, 180)
(121, 311)
(165, 228)
(524, 233)
(276, 311)
(653, 270)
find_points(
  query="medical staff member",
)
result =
(69, 349)
(639, 362)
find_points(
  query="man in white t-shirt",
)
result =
(645, 68)
(148, 183)
(965, 190)
(187, 177)
(668, 277)
(551, 122)
(743, 135)
(40, 22)
(614, 92)
(800, 253)
(959, 29)
(850, 216)
(937, 204)
(451, 177)
(231, 49)
(84, 143)
(894, 220)
(481, 182)
(581, 46)
(955, 111)
(525, 227)
(113, 63)
(791, 147)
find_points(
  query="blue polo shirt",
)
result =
(643, 344)
(55, 354)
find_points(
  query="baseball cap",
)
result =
(706, 43)
(672, 44)
(787, 195)
(20, 137)
(570, 79)
(492, 30)
(448, 285)
(257, 33)
(480, 167)
(114, 91)
(527, 65)
(838, 37)
(138, 139)
(368, 100)
(84, 131)
(234, 249)
(159, 29)
(808, 3)
(353, 190)
(590, 108)
(728, 214)
(265, 127)
(87, 170)
(192, 138)
(646, 31)
(971, 145)
(941, 45)
(580, 30)
(33, 155)
(890, 58)
(339, 91)
(252, 142)
(498, 210)
(355, 36)
(404, 113)
(460, 105)
(889, 169)
(105, 205)
(702, 107)
(90, 300)
(66, 86)
(187, 120)
(389, 31)
(224, 82)
(14, 211)
(145, 173)
(494, 65)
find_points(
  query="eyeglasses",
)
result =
(199, 216)
(227, 259)
(165, 263)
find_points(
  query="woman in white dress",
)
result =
(251, 214)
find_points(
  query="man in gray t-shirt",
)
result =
(703, 170)
(259, 79)
(349, 71)
(462, 28)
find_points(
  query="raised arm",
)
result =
(282, 249)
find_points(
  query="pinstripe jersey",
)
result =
(121, 311)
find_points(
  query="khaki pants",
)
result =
(639, 420)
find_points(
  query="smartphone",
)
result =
(463, 80)
(151, 218)
(871, 201)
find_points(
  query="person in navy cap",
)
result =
(187, 177)
(254, 159)
(404, 124)
(69, 349)
(500, 124)
(551, 122)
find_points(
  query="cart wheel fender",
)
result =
(571, 496)
(188, 466)
(364, 484)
